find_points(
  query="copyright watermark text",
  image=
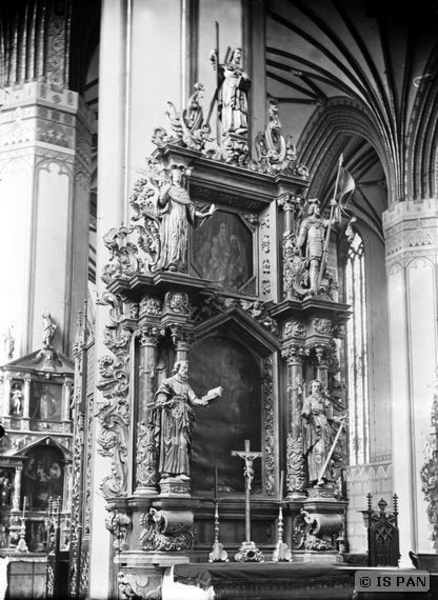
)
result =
(401, 580)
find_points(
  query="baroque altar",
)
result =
(223, 326)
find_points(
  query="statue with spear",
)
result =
(314, 234)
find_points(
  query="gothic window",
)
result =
(356, 354)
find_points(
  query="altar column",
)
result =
(146, 474)
(321, 364)
(289, 203)
(411, 230)
(294, 355)
(17, 489)
(26, 398)
(66, 399)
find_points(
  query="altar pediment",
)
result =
(244, 327)
(47, 441)
(45, 361)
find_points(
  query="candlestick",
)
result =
(282, 552)
(216, 483)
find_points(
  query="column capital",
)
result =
(294, 354)
(149, 334)
(411, 232)
(321, 354)
(289, 202)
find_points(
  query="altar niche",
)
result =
(238, 416)
(43, 477)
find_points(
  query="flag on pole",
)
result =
(346, 186)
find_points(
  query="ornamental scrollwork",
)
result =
(323, 326)
(321, 530)
(166, 531)
(123, 261)
(275, 153)
(150, 306)
(118, 524)
(259, 311)
(296, 473)
(113, 411)
(269, 426)
(188, 128)
(146, 455)
(429, 473)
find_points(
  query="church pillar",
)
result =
(411, 262)
(110, 203)
(45, 142)
(6, 400)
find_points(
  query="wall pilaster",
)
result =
(411, 232)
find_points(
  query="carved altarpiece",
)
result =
(35, 453)
(217, 301)
(261, 325)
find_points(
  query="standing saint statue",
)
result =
(232, 93)
(49, 328)
(174, 417)
(317, 434)
(176, 211)
(312, 242)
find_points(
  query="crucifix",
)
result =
(248, 551)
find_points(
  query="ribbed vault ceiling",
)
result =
(350, 73)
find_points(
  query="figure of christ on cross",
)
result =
(248, 551)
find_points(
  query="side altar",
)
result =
(224, 328)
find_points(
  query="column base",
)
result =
(174, 486)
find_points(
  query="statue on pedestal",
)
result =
(176, 211)
(313, 238)
(317, 433)
(49, 328)
(232, 92)
(173, 420)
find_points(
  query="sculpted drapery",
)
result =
(174, 417)
(176, 212)
(317, 432)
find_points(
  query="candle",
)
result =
(24, 505)
(216, 484)
(281, 484)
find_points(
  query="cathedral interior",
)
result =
(218, 353)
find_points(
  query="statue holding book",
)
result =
(173, 420)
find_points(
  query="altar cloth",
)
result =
(206, 574)
(270, 581)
